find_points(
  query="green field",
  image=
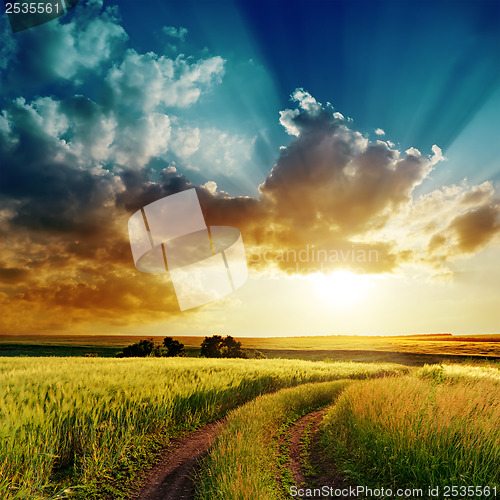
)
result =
(86, 423)
(88, 427)
(438, 426)
(435, 426)
(243, 462)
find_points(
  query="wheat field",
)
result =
(69, 424)
(437, 427)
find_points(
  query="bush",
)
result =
(258, 354)
(145, 348)
(141, 349)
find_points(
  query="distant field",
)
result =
(413, 350)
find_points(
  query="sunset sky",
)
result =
(355, 145)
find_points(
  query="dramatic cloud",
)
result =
(448, 223)
(352, 201)
(67, 162)
(473, 224)
(333, 189)
(42, 179)
(332, 177)
(74, 168)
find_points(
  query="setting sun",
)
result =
(342, 288)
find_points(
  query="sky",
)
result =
(354, 144)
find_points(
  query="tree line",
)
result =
(212, 347)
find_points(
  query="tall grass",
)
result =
(440, 428)
(89, 418)
(243, 463)
(458, 372)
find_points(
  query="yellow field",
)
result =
(488, 345)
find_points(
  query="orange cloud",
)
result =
(333, 199)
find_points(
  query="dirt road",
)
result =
(172, 478)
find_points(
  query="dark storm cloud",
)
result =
(332, 177)
(140, 191)
(42, 180)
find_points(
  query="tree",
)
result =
(232, 349)
(217, 347)
(174, 347)
(141, 349)
(211, 347)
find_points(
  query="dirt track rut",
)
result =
(172, 478)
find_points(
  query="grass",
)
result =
(45, 350)
(245, 460)
(438, 426)
(305, 452)
(85, 425)
(242, 465)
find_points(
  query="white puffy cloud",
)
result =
(286, 119)
(379, 131)
(93, 132)
(309, 107)
(211, 187)
(145, 82)
(134, 119)
(307, 102)
(78, 124)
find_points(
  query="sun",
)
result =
(342, 288)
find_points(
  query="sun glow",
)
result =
(341, 288)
